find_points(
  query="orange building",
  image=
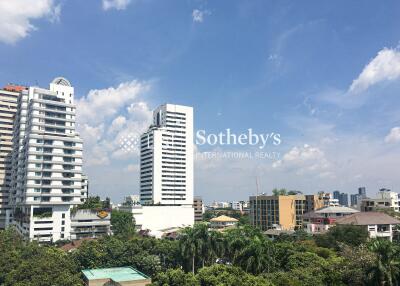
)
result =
(282, 212)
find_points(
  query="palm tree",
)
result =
(194, 243)
(188, 245)
(202, 241)
(386, 270)
(215, 245)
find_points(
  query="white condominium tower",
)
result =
(46, 162)
(8, 107)
(166, 157)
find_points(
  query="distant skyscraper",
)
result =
(166, 157)
(354, 199)
(336, 195)
(46, 177)
(344, 199)
(362, 192)
(8, 107)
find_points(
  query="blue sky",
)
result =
(324, 74)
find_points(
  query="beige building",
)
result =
(282, 212)
(8, 107)
(198, 209)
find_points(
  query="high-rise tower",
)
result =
(8, 107)
(46, 177)
(166, 157)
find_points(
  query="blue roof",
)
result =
(116, 274)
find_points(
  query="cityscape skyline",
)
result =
(303, 70)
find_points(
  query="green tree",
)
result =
(257, 256)
(218, 275)
(193, 244)
(357, 264)
(349, 234)
(386, 269)
(43, 266)
(122, 223)
(279, 192)
(175, 277)
(11, 246)
(92, 203)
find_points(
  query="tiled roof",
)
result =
(223, 218)
(368, 218)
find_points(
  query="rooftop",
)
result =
(329, 210)
(117, 274)
(336, 209)
(223, 218)
(368, 218)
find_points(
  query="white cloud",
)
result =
(115, 4)
(303, 160)
(385, 66)
(393, 136)
(110, 119)
(198, 15)
(17, 15)
(105, 103)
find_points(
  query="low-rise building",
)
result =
(385, 199)
(117, 276)
(90, 223)
(321, 220)
(223, 221)
(220, 205)
(328, 199)
(378, 224)
(198, 209)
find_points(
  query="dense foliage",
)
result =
(241, 256)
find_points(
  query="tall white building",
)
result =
(8, 107)
(46, 177)
(166, 157)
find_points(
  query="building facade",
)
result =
(85, 188)
(46, 175)
(198, 209)
(281, 212)
(336, 195)
(166, 157)
(90, 224)
(378, 224)
(344, 199)
(362, 192)
(328, 199)
(385, 199)
(8, 108)
(319, 221)
(355, 199)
